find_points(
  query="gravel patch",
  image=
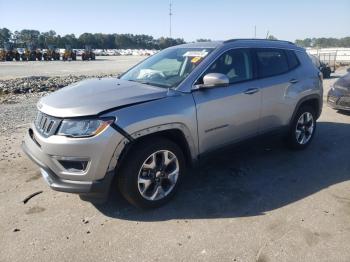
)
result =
(18, 115)
(36, 85)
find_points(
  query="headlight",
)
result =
(340, 87)
(83, 127)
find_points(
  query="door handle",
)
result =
(293, 81)
(251, 91)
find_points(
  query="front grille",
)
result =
(332, 99)
(344, 101)
(46, 125)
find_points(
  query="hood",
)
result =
(344, 81)
(93, 96)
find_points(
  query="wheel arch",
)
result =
(313, 100)
(176, 132)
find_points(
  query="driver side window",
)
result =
(236, 64)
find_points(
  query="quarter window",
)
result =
(292, 59)
(235, 64)
(271, 62)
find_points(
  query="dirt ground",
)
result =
(258, 202)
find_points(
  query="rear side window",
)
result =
(293, 61)
(271, 62)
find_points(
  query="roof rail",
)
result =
(257, 39)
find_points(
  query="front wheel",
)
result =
(151, 173)
(303, 128)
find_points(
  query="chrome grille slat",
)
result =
(49, 126)
(46, 125)
(43, 125)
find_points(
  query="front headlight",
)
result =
(343, 88)
(83, 127)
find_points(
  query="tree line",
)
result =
(324, 42)
(125, 41)
(98, 40)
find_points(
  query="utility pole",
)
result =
(170, 14)
(255, 31)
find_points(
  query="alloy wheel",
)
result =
(158, 175)
(304, 128)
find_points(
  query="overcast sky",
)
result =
(214, 19)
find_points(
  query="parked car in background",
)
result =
(339, 95)
(323, 67)
(141, 130)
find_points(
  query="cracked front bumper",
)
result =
(94, 180)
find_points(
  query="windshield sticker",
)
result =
(196, 59)
(196, 53)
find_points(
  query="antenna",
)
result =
(170, 14)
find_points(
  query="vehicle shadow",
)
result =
(343, 112)
(252, 179)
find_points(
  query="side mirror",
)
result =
(214, 80)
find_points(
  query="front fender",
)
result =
(175, 112)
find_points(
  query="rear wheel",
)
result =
(303, 128)
(151, 173)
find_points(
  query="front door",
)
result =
(228, 114)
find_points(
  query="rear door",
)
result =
(231, 113)
(276, 76)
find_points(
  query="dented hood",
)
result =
(93, 96)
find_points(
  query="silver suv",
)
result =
(139, 132)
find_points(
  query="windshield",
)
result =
(168, 68)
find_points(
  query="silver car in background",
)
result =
(141, 130)
(338, 96)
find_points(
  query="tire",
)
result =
(303, 128)
(159, 186)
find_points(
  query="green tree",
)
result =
(28, 36)
(203, 40)
(5, 36)
(271, 37)
(87, 39)
(50, 38)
